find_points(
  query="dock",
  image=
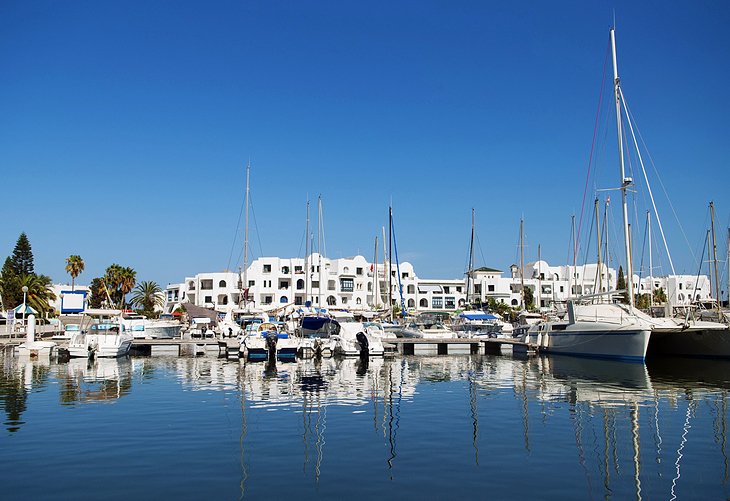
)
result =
(459, 346)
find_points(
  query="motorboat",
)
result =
(264, 339)
(165, 327)
(477, 324)
(355, 339)
(427, 326)
(68, 331)
(135, 324)
(316, 332)
(102, 334)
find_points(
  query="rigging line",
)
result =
(643, 248)
(656, 172)
(235, 235)
(258, 233)
(593, 142)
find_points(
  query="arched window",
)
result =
(284, 299)
(411, 303)
(222, 284)
(515, 302)
(358, 301)
(300, 284)
(370, 287)
(331, 301)
(423, 303)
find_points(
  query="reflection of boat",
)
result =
(102, 335)
(98, 380)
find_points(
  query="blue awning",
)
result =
(478, 316)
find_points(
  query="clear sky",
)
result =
(125, 128)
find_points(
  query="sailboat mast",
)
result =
(319, 248)
(599, 245)
(522, 266)
(714, 259)
(390, 263)
(307, 255)
(376, 294)
(625, 181)
(575, 257)
(539, 279)
(651, 263)
(469, 277)
(245, 239)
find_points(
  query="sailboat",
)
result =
(596, 327)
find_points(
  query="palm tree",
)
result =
(39, 292)
(74, 267)
(146, 295)
(127, 279)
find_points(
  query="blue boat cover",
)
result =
(478, 316)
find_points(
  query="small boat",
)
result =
(102, 334)
(477, 324)
(427, 326)
(266, 339)
(355, 339)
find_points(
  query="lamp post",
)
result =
(25, 292)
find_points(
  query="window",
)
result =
(446, 289)
(411, 289)
(331, 285)
(331, 300)
(298, 269)
(345, 270)
(344, 300)
(370, 287)
(404, 274)
(283, 284)
(423, 303)
(285, 270)
(346, 284)
(208, 299)
(251, 283)
(268, 299)
(222, 284)
(450, 303)
(300, 284)
(267, 268)
(284, 300)
(358, 271)
(358, 301)
(490, 287)
(562, 289)
(411, 303)
(298, 300)
(680, 285)
(191, 285)
(206, 285)
(437, 302)
(458, 289)
(315, 284)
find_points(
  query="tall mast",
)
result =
(522, 268)
(714, 259)
(651, 264)
(469, 277)
(598, 236)
(245, 239)
(390, 263)
(625, 181)
(307, 254)
(539, 279)
(575, 257)
(376, 294)
(319, 247)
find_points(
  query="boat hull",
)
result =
(594, 341)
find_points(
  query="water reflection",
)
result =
(604, 429)
(98, 380)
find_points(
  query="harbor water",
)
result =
(442, 427)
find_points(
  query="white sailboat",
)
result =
(600, 329)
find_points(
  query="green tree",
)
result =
(39, 294)
(127, 281)
(146, 296)
(98, 295)
(119, 280)
(660, 296)
(74, 267)
(10, 285)
(529, 299)
(621, 285)
(23, 257)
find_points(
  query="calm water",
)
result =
(411, 428)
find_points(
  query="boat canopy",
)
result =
(477, 316)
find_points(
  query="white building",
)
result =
(273, 283)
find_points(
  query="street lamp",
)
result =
(25, 292)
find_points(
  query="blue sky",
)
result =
(126, 127)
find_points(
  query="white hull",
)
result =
(591, 340)
(101, 345)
